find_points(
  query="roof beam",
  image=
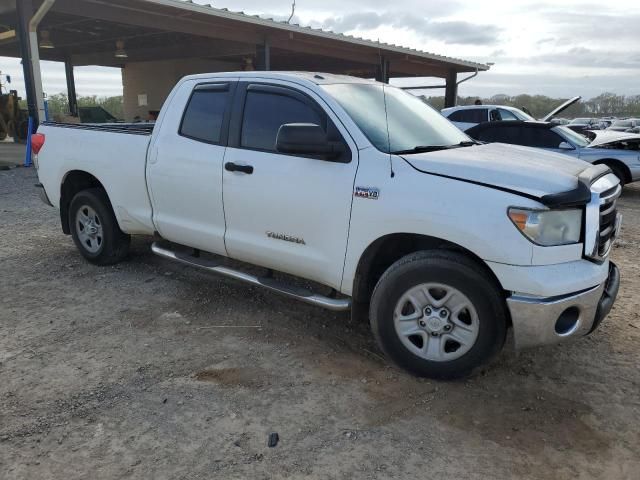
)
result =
(214, 51)
(127, 15)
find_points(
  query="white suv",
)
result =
(465, 117)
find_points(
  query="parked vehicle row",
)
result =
(361, 188)
(620, 152)
(468, 116)
(631, 125)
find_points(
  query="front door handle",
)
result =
(233, 167)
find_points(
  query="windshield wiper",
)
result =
(434, 148)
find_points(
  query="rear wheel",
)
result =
(438, 314)
(94, 228)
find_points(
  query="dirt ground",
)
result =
(153, 370)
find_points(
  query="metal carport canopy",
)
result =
(84, 32)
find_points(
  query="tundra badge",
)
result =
(367, 192)
(286, 238)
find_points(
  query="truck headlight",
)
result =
(548, 227)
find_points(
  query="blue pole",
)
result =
(46, 110)
(27, 160)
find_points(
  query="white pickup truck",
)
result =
(358, 187)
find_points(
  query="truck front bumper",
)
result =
(542, 321)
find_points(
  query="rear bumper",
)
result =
(43, 194)
(542, 321)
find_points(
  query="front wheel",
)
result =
(94, 228)
(438, 314)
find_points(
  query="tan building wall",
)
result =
(153, 81)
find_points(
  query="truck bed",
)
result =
(114, 154)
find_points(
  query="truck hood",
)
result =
(530, 171)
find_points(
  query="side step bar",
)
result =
(302, 294)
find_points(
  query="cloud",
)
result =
(558, 86)
(594, 27)
(461, 32)
(582, 57)
(542, 41)
(458, 32)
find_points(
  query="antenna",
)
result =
(293, 11)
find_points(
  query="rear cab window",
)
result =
(204, 115)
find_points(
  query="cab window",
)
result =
(265, 113)
(204, 115)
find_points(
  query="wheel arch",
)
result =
(75, 181)
(619, 164)
(386, 250)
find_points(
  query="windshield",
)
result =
(623, 123)
(394, 120)
(575, 138)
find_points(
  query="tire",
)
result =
(95, 230)
(450, 277)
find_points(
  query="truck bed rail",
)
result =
(128, 128)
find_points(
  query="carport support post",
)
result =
(263, 56)
(71, 88)
(382, 72)
(25, 10)
(451, 89)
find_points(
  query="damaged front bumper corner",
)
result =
(543, 321)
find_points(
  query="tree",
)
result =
(59, 104)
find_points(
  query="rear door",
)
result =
(184, 170)
(286, 212)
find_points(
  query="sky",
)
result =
(555, 48)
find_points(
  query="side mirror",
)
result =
(565, 146)
(306, 139)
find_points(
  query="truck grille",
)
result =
(608, 221)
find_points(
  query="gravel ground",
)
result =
(153, 370)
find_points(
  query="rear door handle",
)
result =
(233, 167)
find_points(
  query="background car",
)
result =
(624, 125)
(581, 124)
(606, 123)
(468, 116)
(621, 152)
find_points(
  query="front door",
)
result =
(286, 212)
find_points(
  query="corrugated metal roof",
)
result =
(318, 32)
